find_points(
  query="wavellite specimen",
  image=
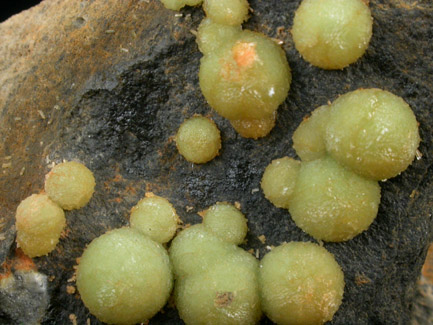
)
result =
(39, 223)
(332, 203)
(155, 217)
(70, 185)
(332, 34)
(198, 139)
(178, 4)
(373, 132)
(300, 283)
(124, 277)
(216, 281)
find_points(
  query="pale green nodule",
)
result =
(124, 277)
(248, 78)
(300, 283)
(373, 132)
(309, 137)
(332, 203)
(39, 223)
(226, 222)
(155, 217)
(331, 34)
(198, 139)
(70, 185)
(279, 180)
(211, 35)
(227, 12)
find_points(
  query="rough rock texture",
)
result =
(109, 82)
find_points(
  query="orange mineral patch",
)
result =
(244, 54)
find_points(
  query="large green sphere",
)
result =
(300, 283)
(331, 202)
(248, 78)
(332, 34)
(124, 277)
(373, 132)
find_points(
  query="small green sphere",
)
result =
(227, 293)
(373, 132)
(227, 12)
(155, 217)
(124, 277)
(331, 202)
(309, 137)
(211, 35)
(178, 4)
(195, 250)
(331, 34)
(279, 180)
(70, 185)
(198, 139)
(226, 222)
(39, 223)
(248, 78)
(300, 283)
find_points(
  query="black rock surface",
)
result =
(121, 124)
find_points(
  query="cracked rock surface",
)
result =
(109, 82)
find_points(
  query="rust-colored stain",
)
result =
(427, 269)
(21, 262)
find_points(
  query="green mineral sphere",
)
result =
(39, 223)
(248, 78)
(198, 139)
(331, 202)
(309, 137)
(211, 35)
(227, 12)
(226, 222)
(155, 217)
(124, 277)
(279, 180)
(178, 4)
(70, 185)
(373, 132)
(300, 283)
(332, 34)
(226, 294)
(195, 250)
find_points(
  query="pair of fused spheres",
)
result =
(333, 195)
(125, 275)
(216, 281)
(40, 218)
(331, 34)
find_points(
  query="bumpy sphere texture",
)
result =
(300, 283)
(331, 202)
(226, 222)
(332, 34)
(373, 132)
(124, 277)
(178, 4)
(279, 180)
(70, 185)
(227, 12)
(198, 140)
(155, 217)
(39, 223)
